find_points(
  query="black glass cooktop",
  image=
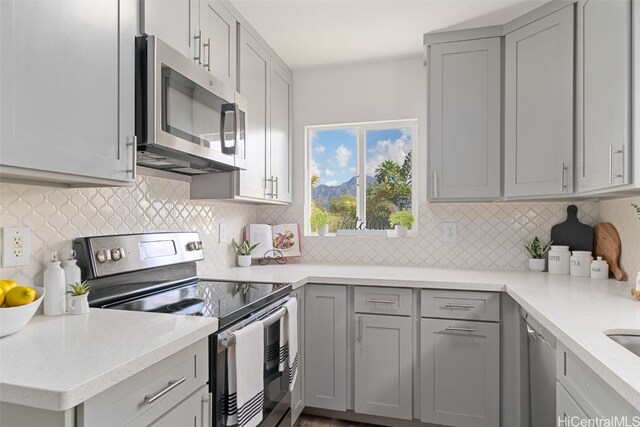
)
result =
(228, 301)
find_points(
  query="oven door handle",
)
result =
(226, 340)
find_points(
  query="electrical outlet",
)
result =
(450, 232)
(223, 234)
(16, 246)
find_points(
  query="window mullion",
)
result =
(362, 175)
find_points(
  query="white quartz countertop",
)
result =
(59, 362)
(578, 311)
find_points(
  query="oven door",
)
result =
(188, 111)
(277, 398)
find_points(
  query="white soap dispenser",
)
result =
(54, 299)
(71, 274)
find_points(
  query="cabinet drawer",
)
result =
(182, 373)
(383, 300)
(461, 305)
(590, 391)
(566, 407)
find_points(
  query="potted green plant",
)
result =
(243, 250)
(320, 220)
(537, 250)
(78, 303)
(402, 221)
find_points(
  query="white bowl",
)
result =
(12, 319)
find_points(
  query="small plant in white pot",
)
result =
(79, 303)
(537, 250)
(243, 250)
(402, 221)
(320, 220)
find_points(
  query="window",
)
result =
(358, 175)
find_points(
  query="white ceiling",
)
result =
(308, 33)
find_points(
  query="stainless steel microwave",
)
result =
(187, 121)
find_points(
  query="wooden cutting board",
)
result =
(573, 233)
(607, 245)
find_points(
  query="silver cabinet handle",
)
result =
(275, 180)
(562, 178)
(435, 184)
(453, 329)
(359, 329)
(207, 45)
(381, 301)
(462, 306)
(172, 384)
(198, 37)
(208, 400)
(612, 152)
(134, 156)
(271, 194)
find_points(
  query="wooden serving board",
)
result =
(607, 245)
(573, 233)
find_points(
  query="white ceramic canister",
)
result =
(599, 269)
(559, 259)
(581, 263)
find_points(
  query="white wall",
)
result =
(362, 92)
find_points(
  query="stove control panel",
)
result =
(107, 255)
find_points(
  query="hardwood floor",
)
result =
(313, 421)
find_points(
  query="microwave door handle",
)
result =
(231, 149)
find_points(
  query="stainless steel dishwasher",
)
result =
(542, 372)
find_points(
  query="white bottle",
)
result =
(638, 282)
(71, 274)
(54, 300)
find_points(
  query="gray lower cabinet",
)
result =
(67, 91)
(538, 111)
(192, 412)
(603, 95)
(465, 119)
(566, 407)
(325, 347)
(460, 372)
(383, 366)
(297, 394)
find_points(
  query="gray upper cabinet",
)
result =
(325, 347)
(176, 22)
(383, 366)
(279, 150)
(460, 373)
(465, 119)
(539, 124)
(254, 85)
(603, 104)
(72, 121)
(219, 44)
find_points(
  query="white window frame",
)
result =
(362, 128)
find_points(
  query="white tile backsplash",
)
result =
(57, 216)
(490, 235)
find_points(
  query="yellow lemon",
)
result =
(20, 295)
(6, 284)
(1, 297)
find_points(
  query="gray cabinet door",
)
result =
(192, 412)
(279, 152)
(254, 85)
(67, 87)
(465, 120)
(603, 95)
(176, 22)
(297, 394)
(566, 407)
(326, 347)
(539, 107)
(460, 372)
(384, 366)
(219, 44)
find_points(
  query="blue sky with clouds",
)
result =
(334, 152)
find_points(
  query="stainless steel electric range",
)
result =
(156, 272)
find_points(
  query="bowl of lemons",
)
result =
(18, 304)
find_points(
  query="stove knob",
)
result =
(123, 253)
(116, 254)
(199, 244)
(192, 246)
(103, 255)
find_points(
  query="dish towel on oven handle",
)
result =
(289, 342)
(245, 377)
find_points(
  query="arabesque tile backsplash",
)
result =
(490, 235)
